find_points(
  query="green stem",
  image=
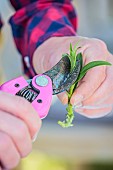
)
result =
(70, 114)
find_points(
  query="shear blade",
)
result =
(61, 76)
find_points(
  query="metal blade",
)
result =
(60, 75)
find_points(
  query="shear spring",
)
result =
(28, 93)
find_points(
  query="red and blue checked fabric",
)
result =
(37, 20)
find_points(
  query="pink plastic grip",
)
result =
(45, 93)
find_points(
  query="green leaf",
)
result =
(79, 57)
(71, 49)
(75, 47)
(72, 57)
(89, 66)
(94, 64)
(80, 77)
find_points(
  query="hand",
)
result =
(19, 124)
(93, 97)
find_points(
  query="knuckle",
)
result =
(13, 162)
(5, 143)
(100, 43)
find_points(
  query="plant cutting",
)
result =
(73, 57)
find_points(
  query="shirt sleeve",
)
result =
(37, 20)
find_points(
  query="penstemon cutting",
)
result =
(73, 57)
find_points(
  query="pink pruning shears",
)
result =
(39, 90)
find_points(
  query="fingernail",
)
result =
(79, 105)
(78, 99)
(80, 111)
(35, 137)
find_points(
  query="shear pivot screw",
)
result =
(41, 81)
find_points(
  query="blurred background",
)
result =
(89, 144)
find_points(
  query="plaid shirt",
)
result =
(37, 20)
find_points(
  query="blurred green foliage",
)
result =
(42, 161)
(100, 166)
